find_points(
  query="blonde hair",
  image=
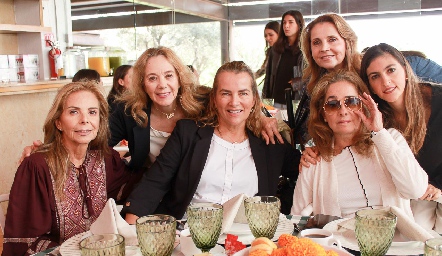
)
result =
(320, 131)
(253, 122)
(56, 155)
(137, 99)
(352, 60)
(416, 127)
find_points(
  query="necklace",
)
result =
(168, 115)
(233, 141)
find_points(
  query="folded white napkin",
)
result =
(405, 225)
(408, 227)
(111, 222)
(233, 212)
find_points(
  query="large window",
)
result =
(206, 33)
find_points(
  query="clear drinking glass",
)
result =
(156, 234)
(433, 247)
(262, 214)
(374, 231)
(205, 221)
(101, 245)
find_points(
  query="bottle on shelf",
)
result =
(99, 61)
(74, 59)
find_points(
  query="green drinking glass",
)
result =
(103, 245)
(433, 247)
(374, 231)
(205, 221)
(262, 214)
(156, 234)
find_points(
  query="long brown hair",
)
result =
(320, 131)
(137, 99)
(282, 40)
(117, 88)
(253, 122)
(57, 156)
(416, 127)
(273, 25)
(352, 60)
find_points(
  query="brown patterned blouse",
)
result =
(37, 219)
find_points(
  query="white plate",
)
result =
(218, 250)
(245, 252)
(399, 246)
(285, 226)
(71, 247)
(239, 229)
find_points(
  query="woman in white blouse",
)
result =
(217, 157)
(362, 164)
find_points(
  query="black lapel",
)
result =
(141, 142)
(199, 156)
(258, 148)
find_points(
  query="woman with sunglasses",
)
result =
(415, 109)
(362, 164)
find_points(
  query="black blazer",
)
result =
(171, 182)
(123, 126)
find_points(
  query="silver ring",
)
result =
(430, 195)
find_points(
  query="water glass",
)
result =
(205, 221)
(156, 234)
(262, 214)
(268, 101)
(101, 245)
(374, 231)
(433, 247)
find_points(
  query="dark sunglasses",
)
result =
(351, 102)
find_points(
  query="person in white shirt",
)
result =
(362, 164)
(216, 157)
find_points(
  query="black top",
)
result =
(284, 75)
(430, 155)
(279, 72)
(169, 185)
(123, 126)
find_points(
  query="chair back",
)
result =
(3, 198)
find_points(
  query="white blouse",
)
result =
(157, 141)
(229, 171)
(358, 185)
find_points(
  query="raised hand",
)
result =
(28, 150)
(373, 122)
(270, 129)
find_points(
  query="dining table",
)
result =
(305, 222)
(299, 222)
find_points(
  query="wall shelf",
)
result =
(13, 29)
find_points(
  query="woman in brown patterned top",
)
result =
(60, 190)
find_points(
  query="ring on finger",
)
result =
(429, 195)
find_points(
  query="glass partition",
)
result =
(206, 33)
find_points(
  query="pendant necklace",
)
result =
(168, 115)
(234, 141)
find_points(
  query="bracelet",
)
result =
(373, 133)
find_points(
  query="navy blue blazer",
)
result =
(171, 182)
